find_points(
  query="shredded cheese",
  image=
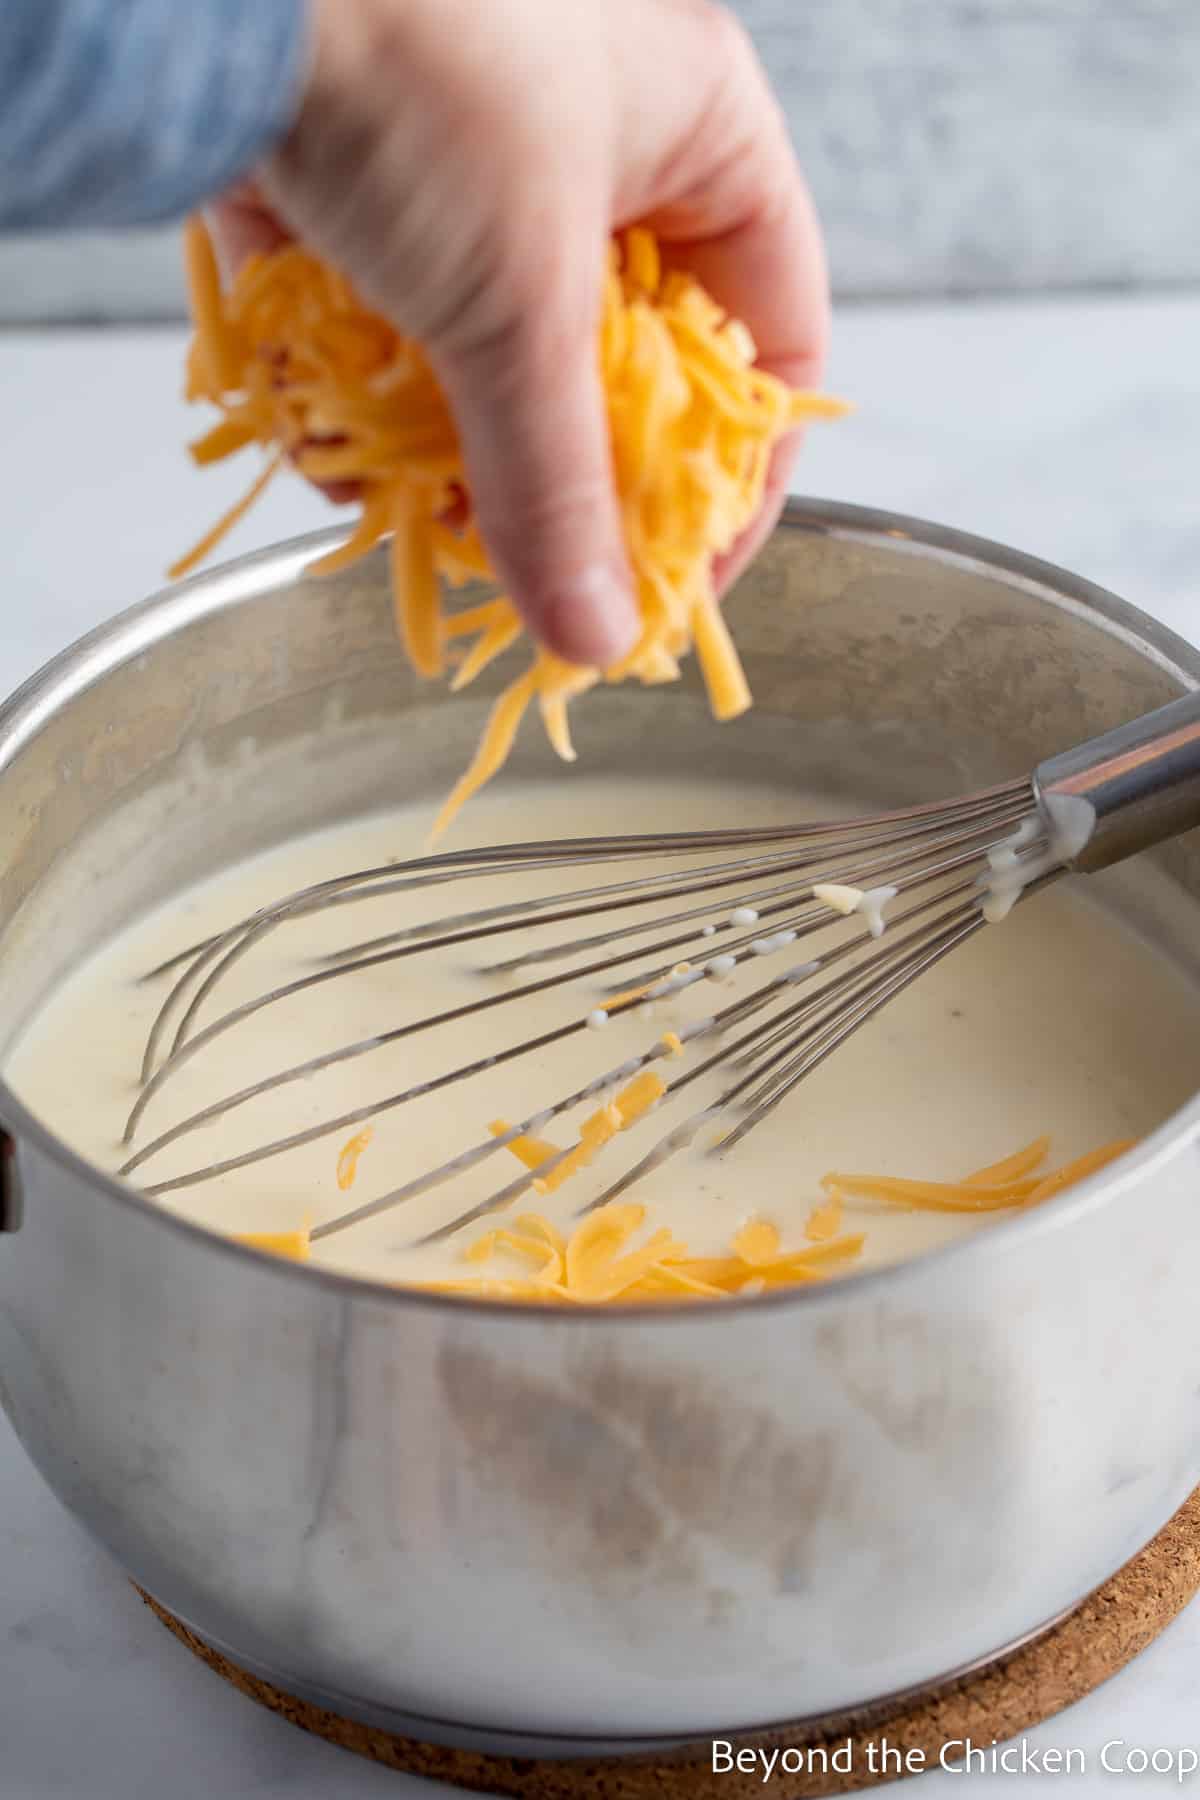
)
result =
(1079, 1169)
(757, 1242)
(630, 1105)
(294, 1245)
(643, 1092)
(1009, 1183)
(626, 996)
(532, 1151)
(347, 1162)
(825, 1221)
(1011, 1168)
(597, 1266)
(298, 365)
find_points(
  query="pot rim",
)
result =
(151, 620)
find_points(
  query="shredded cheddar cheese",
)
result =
(630, 1105)
(1012, 1182)
(531, 1151)
(936, 1196)
(1076, 1171)
(600, 1264)
(643, 1092)
(757, 1242)
(825, 1221)
(294, 1245)
(298, 365)
(1011, 1168)
(347, 1162)
(626, 996)
(596, 1265)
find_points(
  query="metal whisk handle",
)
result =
(1142, 781)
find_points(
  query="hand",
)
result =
(466, 165)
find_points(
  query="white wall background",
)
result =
(955, 146)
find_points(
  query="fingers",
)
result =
(529, 409)
(736, 560)
(766, 267)
(243, 225)
(703, 160)
(769, 271)
(530, 412)
(734, 210)
(732, 206)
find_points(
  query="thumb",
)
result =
(529, 407)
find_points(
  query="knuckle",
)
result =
(730, 43)
(548, 520)
(536, 296)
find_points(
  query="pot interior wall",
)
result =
(255, 704)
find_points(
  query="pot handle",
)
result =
(10, 1193)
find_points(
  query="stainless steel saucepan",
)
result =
(566, 1531)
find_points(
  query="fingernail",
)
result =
(593, 621)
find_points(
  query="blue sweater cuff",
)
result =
(130, 112)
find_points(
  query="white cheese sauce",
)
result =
(1059, 1021)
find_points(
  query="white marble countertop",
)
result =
(1068, 429)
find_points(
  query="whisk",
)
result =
(940, 871)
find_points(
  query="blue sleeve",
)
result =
(129, 112)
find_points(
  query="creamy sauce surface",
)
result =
(1059, 1020)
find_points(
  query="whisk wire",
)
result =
(937, 852)
(183, 1051)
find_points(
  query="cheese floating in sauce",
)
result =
(1060, 1021)
(575, 1271)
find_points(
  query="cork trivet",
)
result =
(1001, 1701)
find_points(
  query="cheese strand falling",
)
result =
(298, 365)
